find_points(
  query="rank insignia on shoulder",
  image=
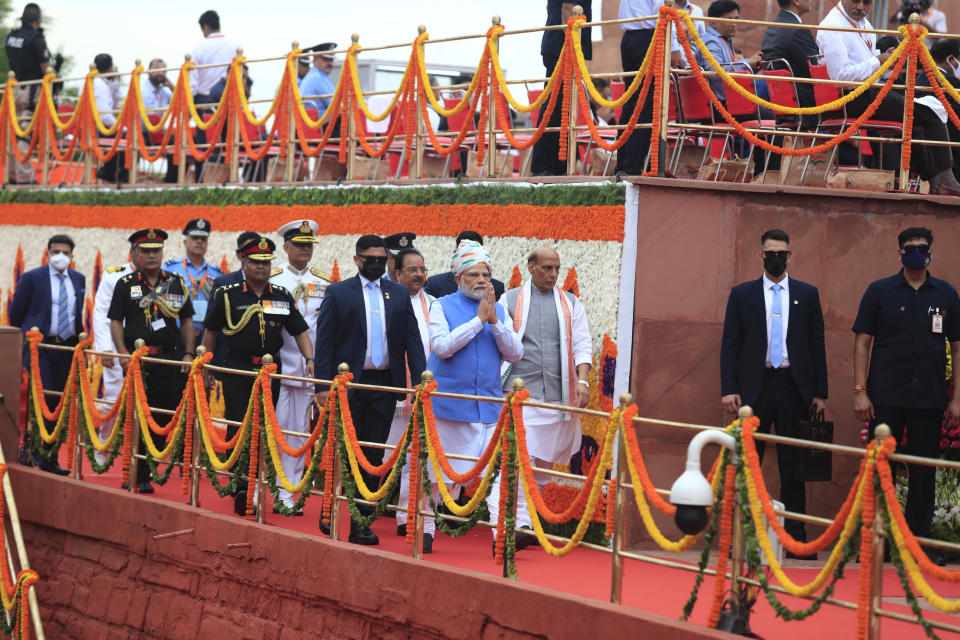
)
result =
(119, 267)
(320, 274)
(170, 262)
(276, 271)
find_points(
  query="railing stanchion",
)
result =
(134, 139)
(664, 105)
(418, 139)
(908, 112)
(10, 142)
(337, 487)
(134, 438)
(182, 120)
(572, 126)
(881, 433)
(351, 127)
(78, 444)
(197, 443)
(291, 150)
(43, 151)
(258, 484)
(88, 158)
(417, 483)
(620, 509)
(234, 158)
(492, 116)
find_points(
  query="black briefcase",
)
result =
(815, 465)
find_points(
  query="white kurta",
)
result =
(554, 436)
(103, 341)
(293, 402)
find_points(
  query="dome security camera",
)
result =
(691, 493)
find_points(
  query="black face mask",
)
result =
(775, 265)
(373, 267)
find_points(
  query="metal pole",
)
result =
(88, 158)
(418, 139)
(492, 124)
(234, 158)
(337, 488)
(134, 439)
(620, 509)
(425, 377)
(78, 444)
(881, 433)
(908, 110)
(184, 143)
(10, 141)
(259, 484)
(572, 128)
(134, 140)
(351, 128)
(664, 105)
(291, 132)
(43, 152)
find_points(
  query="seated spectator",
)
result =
(795, 46)
(719, 41)
(208, 84)
(853, 57)
(317, 82)
(946, 53)
(155, 87)
(934, 20)
(106, 94)
(601, 114)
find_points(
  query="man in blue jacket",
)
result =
(50, 298)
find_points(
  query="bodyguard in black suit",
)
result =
(368, 322)
(773, 358)
(443, 284)
(51, 298)
(796, 46)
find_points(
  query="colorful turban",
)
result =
(468, 254)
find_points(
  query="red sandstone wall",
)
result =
(104, 577)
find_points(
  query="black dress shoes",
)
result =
(428, 543)
(362, 535)
(525, 540)
(402, 530)
(144, 487)
(240, 503)
(50, 466)
(324, 528)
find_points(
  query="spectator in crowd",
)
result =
(852, 56)
(395, 244)
(546, 152)
(307, 285)
(106, 93)
(411, 271)
(900, 365)
(156, 89)
(601, 114)
(252, 314)
(471, 341)
(29, 59)
(380, 351)
(208, 83)
(946, 53)
(147, 304)
(195, 270)
(303, 67)
(317, 82)
(719, 41)
(796, 47)
(557, 356)
(443, 284)
(773, 358)
(931, 18)
(636, 39)
(695, 11)
(51, 298)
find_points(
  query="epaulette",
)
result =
(276, 271)
(119, 267)
(231, 285)
(170, 262)
(320, 274)
(279, 287)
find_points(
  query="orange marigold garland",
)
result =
(253, 473)
(912, 52)
(659, 51)
(131, 404)
(611, 506)
(723, 550)
(515, 278)
(865, 581)
(571, 283)
(500, 540)
(416, 429)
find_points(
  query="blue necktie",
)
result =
(776, 329)
(64, 330)
(376, 330)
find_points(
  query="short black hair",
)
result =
(721, 7)
(469, 235)
(775, 234)
(401, 255)
(31, 13)
(245, 237)
(784, 4)
(369, 241)
(210, 18)
(911, 233)
(943, 48)
(61, 238)
(103, 62)
(887, 42)
(601, 83)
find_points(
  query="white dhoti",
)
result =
(292, 405)
(550, 439)
(112, 385)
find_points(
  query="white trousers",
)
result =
(292, 405)
(112, 385)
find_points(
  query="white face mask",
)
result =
(59, 261)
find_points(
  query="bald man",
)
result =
(557, 355)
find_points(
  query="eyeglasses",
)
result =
(416, 271)
(374, 259)
(776, 254)
(922, 248)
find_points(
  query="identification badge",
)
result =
(136, 292)
(276, 307)
(158, 325)
(936, 323)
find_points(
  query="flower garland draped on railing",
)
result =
(13, 592)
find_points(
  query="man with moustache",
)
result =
(471, 341)
(194, 268)
(411, 272)
(147, 304)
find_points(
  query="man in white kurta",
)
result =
(307, 285)
(102, 341)
(557, 356)
(411, 272)
(471, 341)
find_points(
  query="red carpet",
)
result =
(587, 573)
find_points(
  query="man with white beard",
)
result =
(471, 340)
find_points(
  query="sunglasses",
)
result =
(776, 254)
(374, 259)
(922, 248)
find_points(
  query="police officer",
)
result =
(195, 270)
(29, 59)
(146, 304)
(252, 315)
(307, 286)
(395, 244)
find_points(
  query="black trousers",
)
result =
(923, 439)
(237, 390)
(54, 366)
(164, 386)
(781, 405)
(926, 160)
(372, 413)
(546, 152)
(633, 154)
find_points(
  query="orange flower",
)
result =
(723, 550)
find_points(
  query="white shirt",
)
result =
(307, 289)
(368, 356)
(638, 8)
(154, 98)
(55, 298)
(102, 340)
(784, 313)
(850, 57)
(421, 308)
(447, 342)
(214, 49)
(105, 95)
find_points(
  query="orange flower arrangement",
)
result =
(726, 535)
(128, 422)
(611, 506)
(15, 591)
(571, 282)
(281, 439)
(865, 582)
(433, 434)
(501, 538)
(414, 465)
(253, 470)
(328, 452)
(515, 278)
(659, 51)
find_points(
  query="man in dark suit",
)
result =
(368, 322)
(773, 358)
(443, 284)
(796, 46)
(51, 298)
